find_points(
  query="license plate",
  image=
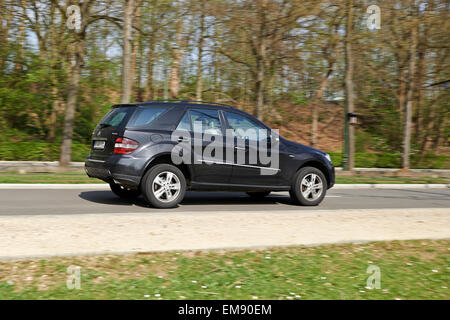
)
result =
(98, 144)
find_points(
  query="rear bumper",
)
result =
(114, 169)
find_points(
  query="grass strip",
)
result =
(417, 269)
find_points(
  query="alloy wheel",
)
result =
(311, 186)
(166, 186)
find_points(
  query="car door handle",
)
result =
(181, 139)
(240, 148)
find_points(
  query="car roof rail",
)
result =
(188, 101)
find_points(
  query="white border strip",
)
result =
(393, 186)
(76, 186)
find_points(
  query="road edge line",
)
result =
(105, 186)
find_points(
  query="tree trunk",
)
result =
(216, 63)
(53, 114)
(409, 102)
(216, 83)
(21, 38)
(3, 34)
(134, 54)
(259, 88)
(419, 97)
(260, 61)
(270, 88)
(315, 110)
(199, 87)
(139, 89)
(349, 95)
(54, 57)
(126, 56)
(401, 90)
(177, 52)
(151, 60)
(428, 127)
(72, 95)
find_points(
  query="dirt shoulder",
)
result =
(32, 236)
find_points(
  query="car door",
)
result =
(252, 141)
(208, 146)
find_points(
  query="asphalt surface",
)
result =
(92, 220)
(67, 202)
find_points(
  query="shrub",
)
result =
(39, 151)
(392, 160)
(42, 151)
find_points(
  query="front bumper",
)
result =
(332, 176)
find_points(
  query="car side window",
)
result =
(184, 123)
(144, 116)
(206, 121)
(244, 127)
(115, 117)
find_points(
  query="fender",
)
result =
(162, 151)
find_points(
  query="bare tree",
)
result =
(201, 40)
(329, 52)
(127, 82)
(21, 38)
(177, 51)
(409, 99)
(260, 51)
(76, 62)
(136, 55)
(349, 94)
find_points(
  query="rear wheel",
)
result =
(258, 194)
(124, 192)
(309, 187)
(164, 186)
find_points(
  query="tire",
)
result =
(258, 194)
(303, 181)
(123, 192)
(157, 191)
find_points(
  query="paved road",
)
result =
(63, 202)
(76, 222)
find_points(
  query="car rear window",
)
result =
(115, 117)
(144, 116)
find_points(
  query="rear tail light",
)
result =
(125, 146)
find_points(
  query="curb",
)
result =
(75, 186)
(393, 186)
(104, 186)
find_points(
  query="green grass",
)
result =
(12, 177)
(416, 269)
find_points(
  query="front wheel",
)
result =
(124, 192)
(164, 186)
(309, 187)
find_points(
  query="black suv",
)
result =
(162, 148)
